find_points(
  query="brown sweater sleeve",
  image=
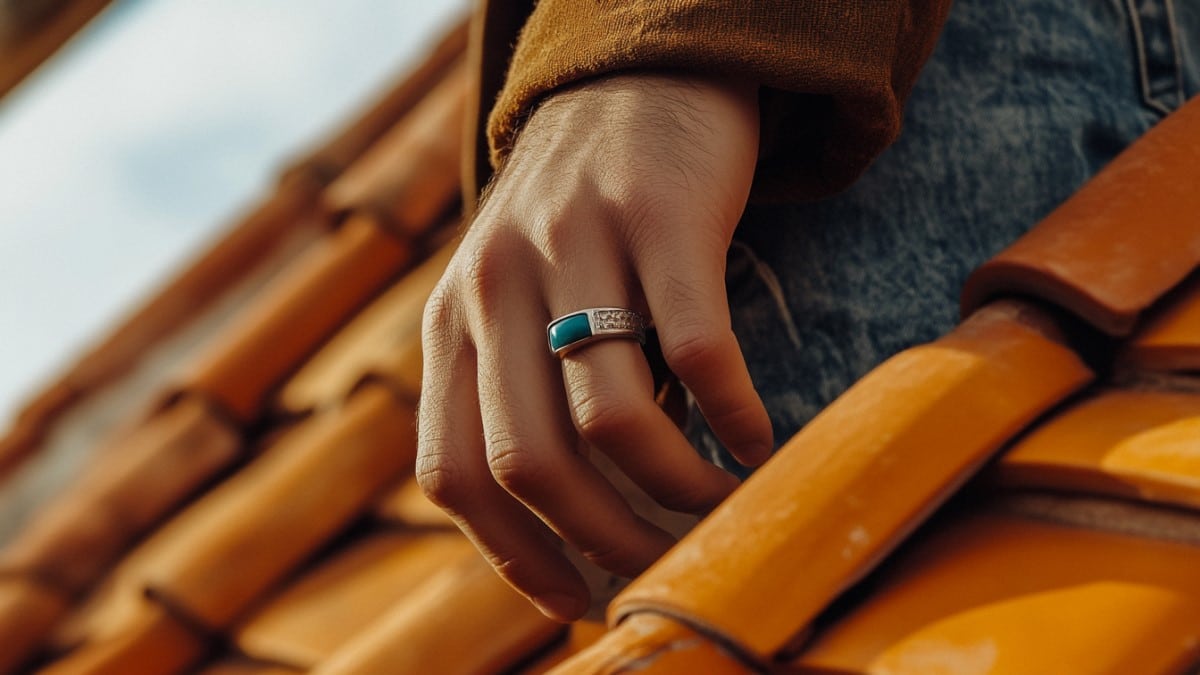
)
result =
(835, 73)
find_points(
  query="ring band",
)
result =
(577, 329)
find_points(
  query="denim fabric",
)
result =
(1021, 102)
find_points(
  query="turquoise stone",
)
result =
(568, 330)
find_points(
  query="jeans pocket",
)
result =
(1155, 35)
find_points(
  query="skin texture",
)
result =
(624, 192)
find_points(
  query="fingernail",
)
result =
(559, 607)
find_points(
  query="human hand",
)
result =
(623, 192)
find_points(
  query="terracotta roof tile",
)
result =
(1008, 594)
(243, 537)
(155, 468)
(383, 339)
(242, 666)
(464, 620)
(281, 327)
(581, 635)
(655, 645)
(27, 612)
(937, 413)
(320, 554)
(331, 156)
(408, 179)
(1170, 338)
(149, 640)
(341, 597)
(1088, 257)
(1135, 444)
(26, 44)
(268, 230)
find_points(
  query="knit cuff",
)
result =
(834, 74)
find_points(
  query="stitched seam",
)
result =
(1144, 59)
(1135, 19)
(1173, 27)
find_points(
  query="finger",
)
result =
(531, 452)
(610, 390)
(611, 395)
(452, 471)
(691, 314)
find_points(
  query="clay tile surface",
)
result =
(255, 245)
(263, 519)
(1170, 338)
(1006, 593)
(149, 639)
(242, 666)
(1138, 443)
(326, 607)
(243, 537)
(27, 612)
(409, 177)
(30, 32)
(384, 339)
(464, 620)
(1091, 255)
(320, 291)
(840, 494)
(655, 645)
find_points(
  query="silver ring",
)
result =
(574, 330)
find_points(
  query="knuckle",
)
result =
(602, 418)
(692, 349)
(440, 481)
(439, 313)
(513, 468)
(613, 559)
(484, 273)
(686, 499)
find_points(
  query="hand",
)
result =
(623, 192)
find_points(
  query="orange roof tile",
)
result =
(464, 620)
(27, 41)
(155, 468)
(841, 494)
(1086, 257)
(1123, 443)
(320, 554)
(1170, 338)
(1006, 594)
(271, 228)
(654, 645)
(148, 640)
(383, 339)
(281, 508)
(326, 607)
(299, 311)
(28, 611)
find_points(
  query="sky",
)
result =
(145, 135)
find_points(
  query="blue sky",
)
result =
(150, 131)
